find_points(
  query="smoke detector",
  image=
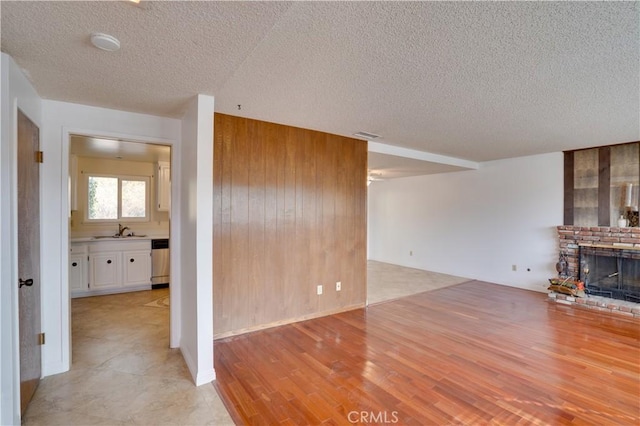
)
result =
(105, 42)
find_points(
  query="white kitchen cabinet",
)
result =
(105, 270)
(73, 183)
(78, 268)
(78, 273)
(163, 186)
(109, 266)
(136, 267)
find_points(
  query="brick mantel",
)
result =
(571, 237)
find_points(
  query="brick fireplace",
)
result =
(623, 244)
(571, 237)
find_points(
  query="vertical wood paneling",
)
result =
(604, 186)
(290, 214)
(273, 265)
(568, 187)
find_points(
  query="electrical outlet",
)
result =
(514, 267)
(319, 290)
(338, 285)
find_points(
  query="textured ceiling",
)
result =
(471, 80)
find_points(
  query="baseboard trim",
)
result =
(191, 363)
(199, 377)
(287, 321)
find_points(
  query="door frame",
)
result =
(174, 231)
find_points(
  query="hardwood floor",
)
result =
(474, 353)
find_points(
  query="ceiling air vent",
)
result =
(366, 135)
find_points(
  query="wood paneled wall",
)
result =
(289, 215)
(593, 183)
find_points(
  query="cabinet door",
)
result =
(73, 182)
(105, 268)
(137, 267)
(78, 279)
(163, 185)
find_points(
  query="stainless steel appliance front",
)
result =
(160, 265)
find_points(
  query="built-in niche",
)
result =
(601, 185)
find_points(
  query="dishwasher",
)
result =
(160, 263)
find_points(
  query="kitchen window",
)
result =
(114, 198)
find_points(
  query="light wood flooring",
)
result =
(473, 353)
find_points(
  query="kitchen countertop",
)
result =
(122, 239)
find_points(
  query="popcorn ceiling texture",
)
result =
(473, 80)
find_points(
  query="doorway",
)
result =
(119, 194)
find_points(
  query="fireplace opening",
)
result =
(610, 272)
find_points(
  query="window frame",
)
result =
(120, 218)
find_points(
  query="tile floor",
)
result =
(123, 371)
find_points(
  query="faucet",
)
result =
(121, 229)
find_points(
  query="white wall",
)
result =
(59, 120)
(474, 224)
(16, 92)
(196, 188)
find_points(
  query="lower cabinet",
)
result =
(78, 273)
(137, 267)
(104, 267)
(105, 270)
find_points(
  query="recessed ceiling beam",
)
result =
(381, 148)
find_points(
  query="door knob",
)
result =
(131, 260)
(109, 261)
(22, 282)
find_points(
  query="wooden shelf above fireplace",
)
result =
(608, 246)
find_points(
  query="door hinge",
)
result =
(39, 157)
(41, 338)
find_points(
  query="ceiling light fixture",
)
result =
(105, 42)
(373, 177)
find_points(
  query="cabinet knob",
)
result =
(109, 261)
(74, 264)
(131, 260)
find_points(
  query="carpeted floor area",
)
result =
(389, 282)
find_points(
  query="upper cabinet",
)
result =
(163, 186)
(73, 183)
